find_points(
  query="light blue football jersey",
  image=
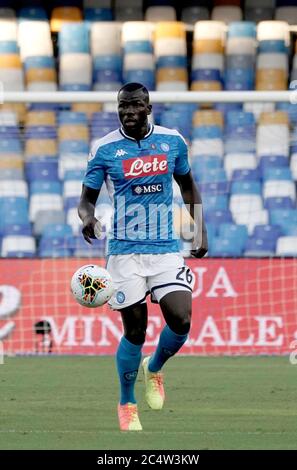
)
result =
(139, 179)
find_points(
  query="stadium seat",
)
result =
(131, 10)
(138, 59)
(53, 248)
(225, 247)
(239, 161)
(267, 232)
(192, 14)
(80, 248)
(46, 217)
(42, 202)
(160, 13)
(258, 247)
(62, 15)
(287, 246)
(34, 39)
(279, 188)
(18, 246)
(251, 219)
(236, 233)
(12, 188)
(285, 218)
(272, 203)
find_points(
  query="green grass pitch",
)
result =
(212, 403)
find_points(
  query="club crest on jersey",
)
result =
(120, 153)
(165, 147)
(145, 166)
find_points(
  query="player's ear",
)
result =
(149, 109)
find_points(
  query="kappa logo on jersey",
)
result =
(145, 166)
(121, 153)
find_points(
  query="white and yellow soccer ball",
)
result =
(92, 286)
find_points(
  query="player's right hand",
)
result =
(91, 228)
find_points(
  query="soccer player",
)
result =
(138, 162)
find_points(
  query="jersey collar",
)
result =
(150, 131)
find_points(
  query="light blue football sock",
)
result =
(128, 358)
(169, 344)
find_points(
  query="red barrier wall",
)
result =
(245, 306)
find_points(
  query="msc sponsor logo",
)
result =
(145, 166)
(141, 189)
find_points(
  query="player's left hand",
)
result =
(91, 228)
(200, 245)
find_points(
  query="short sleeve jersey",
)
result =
(139, 179)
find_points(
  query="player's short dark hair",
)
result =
(134, 86)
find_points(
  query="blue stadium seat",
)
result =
(74, 38)
(212, 231)
(246, 175)
(70, 202)
(147, 77)
(56, 231)
(98, 14)
(176, 61)
(74, 175)
(41, 132)
(205, 163)
(108, 62)
(277, 173)
(11, 174)
(10, 146)
(272, 46)
(235, 118)
(225, 247)
(218, 217)
(72, 117)
(214, 188)
(267, 232)
(9, 47)
(39, 62)
(53, 248)
(272, 161)
(285, 218)
(74, 146)
(16, 229)
(290, 230)
(239, 233)
(246, 187)
(138, 47)
(215, 202)
(216, 175)
(207, 132)
(259, 247)
(272, 203)
(9, 132)
(13, 210)
(42, 170)
(75, 87)
(80, 247)
(45, 187)
(32, 13)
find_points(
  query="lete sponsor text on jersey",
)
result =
(145, 166)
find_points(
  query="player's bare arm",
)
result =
(191, 197)
(86, 212)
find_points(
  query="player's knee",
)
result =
(136, 336)
(181, 322)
